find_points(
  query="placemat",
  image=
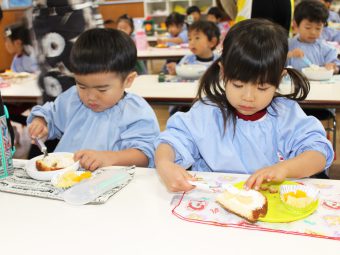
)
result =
(20, 183)
(200, 207)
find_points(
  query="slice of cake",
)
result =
(53, 162)
(248, 204)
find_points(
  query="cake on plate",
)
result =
(248, 204)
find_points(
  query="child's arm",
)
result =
(171, 67)
(91, 159)
(296, 53)
(176, 40)
(303, 165)
(174, 176)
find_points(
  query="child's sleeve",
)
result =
(330, 54)
(55, 114)
(141, 132)
(184, 36)
(300, 133)
(179, 134)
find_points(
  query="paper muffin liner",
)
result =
(311, 192)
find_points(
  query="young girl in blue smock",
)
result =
(18, 43)
(240, 122)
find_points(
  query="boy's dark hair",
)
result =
(18, 31)
(175, 19)
(208, 28)
(216, 12)
(255, 51)
(101, 50)
(312, 10)
(192, 9)
(108, 22)
(127, 19)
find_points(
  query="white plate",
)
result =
(320, 74)
(190, 71)
(34, 173)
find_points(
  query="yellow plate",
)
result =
(277, 211)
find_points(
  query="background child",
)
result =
(176, 26)
(333, 16)
(97, 119)
(203, 38)
(193, 14)
(243, 125)
(18, 42)
(310, 18)
(215, 15)
(125, 24)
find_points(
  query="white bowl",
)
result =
(34, 173)
(317, 74)
(190, 71)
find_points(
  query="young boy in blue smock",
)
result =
(96, 119)
(310, 18)
(177, 29)
(203, 39)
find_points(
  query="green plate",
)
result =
(277, 210)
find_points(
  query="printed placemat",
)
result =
(200, 207)
(20, 183)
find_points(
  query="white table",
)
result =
(22, 91)
(162, 53)
(136, 220)
(323, 95)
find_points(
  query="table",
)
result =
(162, 53)
(137, 220)
(322, 94)
(22, 91)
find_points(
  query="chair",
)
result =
(329, 115)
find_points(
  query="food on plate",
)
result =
(248, 204)
(273, 189)
(70, 178)
(54, 162)
(298, 199)
(11, 75)
(161, 45)
(264, 186)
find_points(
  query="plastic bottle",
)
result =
(140, 36)
(90, 189)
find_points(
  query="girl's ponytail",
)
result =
(300, 83)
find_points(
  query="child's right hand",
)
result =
(175, 177)
(171, 67)
(296, 53)
(38, 128)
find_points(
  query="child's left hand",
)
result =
(275, 173)
(91, 159)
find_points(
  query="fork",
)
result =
(41, 146)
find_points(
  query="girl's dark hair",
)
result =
(216, 12)
(128, 20)
(103, 50)
(192, 9)
(312, 10)
(206, 27)
(254, 51)
(175, 19)
(18, 31)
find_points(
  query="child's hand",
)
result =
(171, 67)
(175, 177)
(38, 128)
(91, 159)
(331, 66)
(296, 53)
(274, 173)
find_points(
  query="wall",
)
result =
(109, 11)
